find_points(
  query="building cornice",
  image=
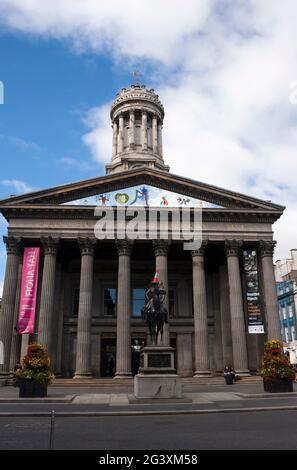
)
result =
(26, 211)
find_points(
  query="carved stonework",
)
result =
(160, 247)
(86, 245)
(267, 248)
(137, 92)
(200, 251)
(50, 245)
(233, 247)
(124, 247)
(13, 245)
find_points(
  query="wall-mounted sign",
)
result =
(254, 313)
(142, 195)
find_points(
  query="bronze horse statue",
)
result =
(154, 313)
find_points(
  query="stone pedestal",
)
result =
(157, 377)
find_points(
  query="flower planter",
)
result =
(31, 388)
(278, 386)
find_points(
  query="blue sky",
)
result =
(224, 71)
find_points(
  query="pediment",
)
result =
(160, 184)
(142, 195)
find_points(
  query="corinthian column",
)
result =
(200, 313)
(123, 362)
(121, 134)
(270, 296)
(132, 129)
(232, 248)
(161, 251)
(45, 323)
(8, 302)
(144, 130)
(114, 139)
(83, 344)
(155, 134)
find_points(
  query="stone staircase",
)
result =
(128, 382)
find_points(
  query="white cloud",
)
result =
(100, 134)
(19, 186)
(1, 289)
(156, 30)
(223, 70)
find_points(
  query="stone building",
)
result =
(91, 291)
(286, 285)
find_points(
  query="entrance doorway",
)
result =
(108, 357)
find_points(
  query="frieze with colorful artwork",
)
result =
(142, 195)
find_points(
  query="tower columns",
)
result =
(115, 139)
(121, 134)
(132, 129)
(144, 130)
(155, 134)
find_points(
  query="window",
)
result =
(75, 302)
(110, 296)
(138, 301)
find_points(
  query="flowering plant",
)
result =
(275, 364)
(36, 365)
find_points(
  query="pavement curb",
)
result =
(83, 414)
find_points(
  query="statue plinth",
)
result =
(157, 376)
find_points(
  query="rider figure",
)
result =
(154, 311)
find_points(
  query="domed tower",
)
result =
(137, 117)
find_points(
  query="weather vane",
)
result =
(136, 75)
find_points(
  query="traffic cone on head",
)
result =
(156, 280)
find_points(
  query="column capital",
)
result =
(50, 245)
(86, 245)
(160, 247)
(267, 248)
(200, 251)
(232, 247)
(13, 245)
(124, 247)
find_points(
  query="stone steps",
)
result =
(115, 383)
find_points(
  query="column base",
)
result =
(243, 373)
(185, 373)
(123, 375)
(87, 375)
(202, 373)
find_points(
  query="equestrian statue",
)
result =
(154, 311)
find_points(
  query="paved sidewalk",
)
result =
(116, 400)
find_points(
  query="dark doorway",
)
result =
(108, 357)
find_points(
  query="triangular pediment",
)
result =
(142, 195)
(126, 184)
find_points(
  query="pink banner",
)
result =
(29, 290)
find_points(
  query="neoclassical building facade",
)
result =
(221, 295)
